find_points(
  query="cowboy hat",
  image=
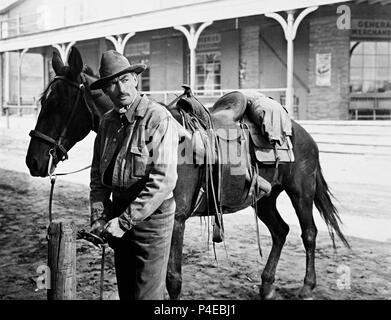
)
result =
(112, 65)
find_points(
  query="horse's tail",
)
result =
(326, 208)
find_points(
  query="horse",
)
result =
(70, 110)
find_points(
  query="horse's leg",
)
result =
(184, 192)
(268, 213)
(174, 268)
(302, 195)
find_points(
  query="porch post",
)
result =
(5, 82)
(120, 42)
(289, 63)
(290, 28)
(192, 36)
(20, 60)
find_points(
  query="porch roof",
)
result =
(197, 12)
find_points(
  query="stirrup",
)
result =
(263, 184)
(218, 233)
(218, 228)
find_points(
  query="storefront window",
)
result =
(370, 66)
(208, 65)
(139, 52)
(208, 71)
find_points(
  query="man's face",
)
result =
(122, 89)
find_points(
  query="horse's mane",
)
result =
(42, 96)
(88, 71)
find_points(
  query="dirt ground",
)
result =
(234, 275)
(360, 184)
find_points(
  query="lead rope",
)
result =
(53, 177)
(217, 203)
(102, 272)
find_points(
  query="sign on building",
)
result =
(323, 69)
(371, 28)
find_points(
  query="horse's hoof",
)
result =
(268, 292)
(305, 293)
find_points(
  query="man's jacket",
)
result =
(146, 161)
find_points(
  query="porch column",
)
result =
(119, 41)
(192, 36)
(5, 80)
(290, 28)
(64, 49)
(20, 60)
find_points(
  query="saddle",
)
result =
(230, 141)
(234, 182)
(237, 180)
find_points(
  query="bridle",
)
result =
(57, 145)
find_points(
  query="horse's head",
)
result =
(67, 115)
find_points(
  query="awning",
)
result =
(152, 20)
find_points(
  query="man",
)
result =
(135, 159)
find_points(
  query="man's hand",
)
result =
(113, 229)
(98, 227)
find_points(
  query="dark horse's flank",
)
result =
(70, 111)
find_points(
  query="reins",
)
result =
(58, 145)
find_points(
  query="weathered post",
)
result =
(62, 261)
(7, 114)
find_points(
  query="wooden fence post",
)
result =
(7, 114)
(62, 261)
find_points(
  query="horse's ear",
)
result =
(75, 62)
(57, 63)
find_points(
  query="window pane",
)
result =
(382, 47)
(369, 86)
(382, 61)
(387, 86)
(145, 84)
(208, 70)
(355, 74)
(200, 60)
(356, 86)
(369, 74)
(356, 60)
(369, 47)
(369, 61)
(382, 74)
(380, 86)
(200, 69)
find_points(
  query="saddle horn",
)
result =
(188, 92)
